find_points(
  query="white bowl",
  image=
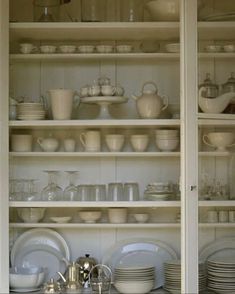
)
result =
(167, 144)
(167, 132)
(67, 48)
(139, 143)
(141, 217)
(86, 48)
(137, 287)
(104, 48)
(90, 216)
(32, 277)
(31, 214)
(213, 48)
(115, 142)
(117, 215)
(163, 10)
(220, 140)
(173, 47)
(124, 48)
(48, 49)
(229, 48)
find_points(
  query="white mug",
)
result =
(223, 216)
(21, 143)
(212, 216)
(69, 145)
(91, 141)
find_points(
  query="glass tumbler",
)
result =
(98, 193)
(84, 192)
(131, 192)
(115, 192)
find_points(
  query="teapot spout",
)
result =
(62, 277)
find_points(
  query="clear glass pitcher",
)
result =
(46, 10)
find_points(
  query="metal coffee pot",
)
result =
(52, 287)
(86, 264)
(72, 284)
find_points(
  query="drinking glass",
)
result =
(71, 191)
(52, 192)
(115, 192)
(131, 192)
(84, 192)
(98, 193)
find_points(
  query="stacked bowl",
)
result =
(129, 280)
(167, 139)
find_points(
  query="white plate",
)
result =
(140, 252)
(24, 290)
(41, 247)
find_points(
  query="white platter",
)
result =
(140, 252)
(41, 247)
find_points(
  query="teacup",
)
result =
(94, 90)
(124, 48)
(86, 48)
(48, 49)
(84, 91)
(67, 48)
(27, 48)
(108, 90)
(21, 143)
(139, 143)
(104, 48)
(114, 142)
(91, 140)
(219, 140)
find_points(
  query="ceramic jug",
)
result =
(48, 144)
(150, 104)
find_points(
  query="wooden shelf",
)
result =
(101, 204)
(217, 55)
(94, 123)
(75, 31)
(212, 203)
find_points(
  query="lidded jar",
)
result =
(229, 86)
(212, 90)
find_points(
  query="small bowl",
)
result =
(213, 48)
(167, 144)
(48, 49)
(229, 48)
(139, 143)
(104, 48)
(86, 49)
(90, 216)
(141, 217)
(61, 219)
(124, 48)
(173, 47)
(67, 48)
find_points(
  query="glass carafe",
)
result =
(93, 10)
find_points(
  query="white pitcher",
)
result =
(62, 102)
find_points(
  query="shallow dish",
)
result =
(61, 219)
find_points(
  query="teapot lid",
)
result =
(208, 83)
(86, 261)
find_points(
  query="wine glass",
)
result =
(52, 192)
(71, 191)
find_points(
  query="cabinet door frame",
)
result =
(4, 165)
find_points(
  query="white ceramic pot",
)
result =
(48, 144)
(62, 103)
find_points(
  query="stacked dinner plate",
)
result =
(30, 111)
(172, 272)
(136, 280)
(158, 191)
(221, 274)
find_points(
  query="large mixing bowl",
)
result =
(163, 10)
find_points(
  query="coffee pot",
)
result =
(72, 281)
(86, 264)
(52, 287)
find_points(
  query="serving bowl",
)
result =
(141, 217)
(23, 278)
(163, 10)
(219, 140)
(90, 216)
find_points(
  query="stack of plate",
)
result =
(172, 271)
(221, 274)
(134, 279)
(158, 191)
(30, 111)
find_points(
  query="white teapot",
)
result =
(48, 144)
(150, 104)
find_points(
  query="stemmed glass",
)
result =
(71, 191)
(52, 192)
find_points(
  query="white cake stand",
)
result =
(104, 102)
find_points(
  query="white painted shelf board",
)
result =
(216, 30)
(217, 55)
(95, 225)
(80, 56)
(94, 123)
(95, 154)
(74, 31)
(101, 204)
(217, 225)
(212, 203)
(214, 153)
(220, 116)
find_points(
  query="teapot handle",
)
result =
(165, 102)
(150, 83)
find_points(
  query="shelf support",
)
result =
(189, 143)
